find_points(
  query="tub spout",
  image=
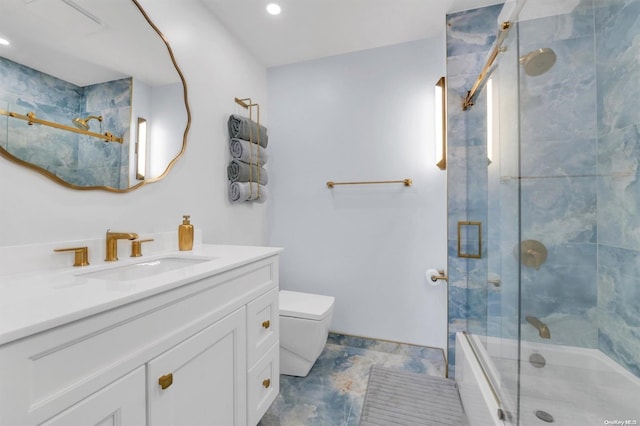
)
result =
(540, 326)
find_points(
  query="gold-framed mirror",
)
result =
(91, 95)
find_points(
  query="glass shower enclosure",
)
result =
(553, 303)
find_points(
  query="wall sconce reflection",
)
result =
(141, 149)
(490, 110)
(441, 123)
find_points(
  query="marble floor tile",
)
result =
(333, 392)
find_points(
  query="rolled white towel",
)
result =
(248, 152)
(246, 191)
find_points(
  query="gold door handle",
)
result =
(266, 324)
(266, 383)
(165, 381)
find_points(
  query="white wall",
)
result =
(217, 68)
(361, 116)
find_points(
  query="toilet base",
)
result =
(301, 343)
(304, 328)
(294, 365)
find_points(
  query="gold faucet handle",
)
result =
(136, 247)
(81, 257)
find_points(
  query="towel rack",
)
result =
(405, 182)
(249, 105)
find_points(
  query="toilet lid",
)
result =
(305, 305)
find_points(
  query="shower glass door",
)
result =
(500, 98)
(552, 305)
(563, 329)
(579, 156)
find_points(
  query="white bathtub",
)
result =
(576, 386)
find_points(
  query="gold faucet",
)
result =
(112, 243)
(542, 327)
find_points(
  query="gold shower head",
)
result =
(83, 123)
(539, 61)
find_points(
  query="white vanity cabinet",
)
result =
(121, 403)
(202, 353)
(263, 354)
(204, 378)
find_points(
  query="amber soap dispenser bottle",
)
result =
(185, 234)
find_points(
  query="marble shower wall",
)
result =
(558, 177)
(77, 159)
(576, 181)
(618, 186)
(470, 36)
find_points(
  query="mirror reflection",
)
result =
(90, 94)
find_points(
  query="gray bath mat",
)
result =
(401, 398)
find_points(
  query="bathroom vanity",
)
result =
(191, 340)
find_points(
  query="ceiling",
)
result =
(84, 41)
(90, 41)
(310, 29)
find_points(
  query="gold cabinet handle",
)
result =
(266, 324)
(81, 255)
(165, 381)
(266, 383)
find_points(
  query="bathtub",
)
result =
(576, 386)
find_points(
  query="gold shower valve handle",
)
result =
(533, 253)
(266, 324)
(81, 255)
(165, 381)
(266, 383)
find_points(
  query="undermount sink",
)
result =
(145, 268)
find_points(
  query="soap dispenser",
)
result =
(185, 234)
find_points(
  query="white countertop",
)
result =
(34, 302)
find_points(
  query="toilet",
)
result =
(304, 327)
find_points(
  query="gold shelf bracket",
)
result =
(243, 103)
(469, 100)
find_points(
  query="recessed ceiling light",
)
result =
(4, 41)
(274, 9)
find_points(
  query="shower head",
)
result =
(83, 123)
(539, 61)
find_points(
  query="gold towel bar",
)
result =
(31, 118)
(406, 182)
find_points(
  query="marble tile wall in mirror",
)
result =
(77, 159)
(61, 65)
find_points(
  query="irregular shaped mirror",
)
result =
(90, 93)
